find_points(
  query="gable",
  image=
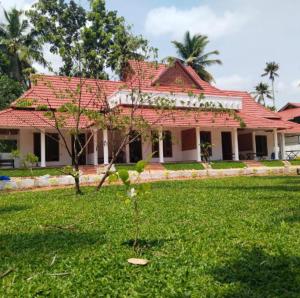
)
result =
(176, 75)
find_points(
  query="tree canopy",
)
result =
(192, 52)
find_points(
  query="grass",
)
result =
(183, 166)
(272, 163)
(227, 165)
(128, 167)
(295, 162)
(230, 237)
(27, 173)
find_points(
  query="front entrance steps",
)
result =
(252, 163)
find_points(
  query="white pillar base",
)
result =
(105, 147)
(161, 146)
(198, 144)
(95, 141)
(43, 149)
(236, 145)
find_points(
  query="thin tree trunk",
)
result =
(273, 90)
(77, 179)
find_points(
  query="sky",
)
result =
(247, 33)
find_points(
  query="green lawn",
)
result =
(128, 167)
(295, 162)
(227, 165)
(231, 237)
(27, 173)
(184, 166)
(272, 163)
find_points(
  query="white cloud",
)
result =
(234, 82)
(200, 19)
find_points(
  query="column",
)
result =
(275, 143)
(161, 146)
(235, 144)
(127, 152)
(95, 140)
(43, 149)
(105, 147)
(198, 142)
(283, 146)
(254, 144)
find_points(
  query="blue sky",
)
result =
(248, 33)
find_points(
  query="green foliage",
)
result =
(98, 38)
(191, 51)
(262, 92)
(295, 162)
(227, 165)
(134, 192)
(183, 166)
(19, 47)
(272, 163)
(36, 172)
(9, 90)
(28, 161)
(233, 237)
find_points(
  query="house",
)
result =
(291, 112)
(27, 128)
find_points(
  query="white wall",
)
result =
(26, 146)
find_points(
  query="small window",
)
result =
(7, 146)
(167, 143)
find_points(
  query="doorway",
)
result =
(135, 147)
(79, 144)
(226, 146)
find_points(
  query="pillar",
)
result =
(275, 144)
(283, 146)
(95, 140)
(161, 146)
(254, 144)
(235, 144)
(43, 149)
(105, 147)
(198, 142)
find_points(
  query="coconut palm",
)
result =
(21, 46)
(262, 91)
(271, 71)
(192, 52)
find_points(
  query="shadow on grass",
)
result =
(144, 244)
(13, 208)
(290, 215)
(256, 273)
(40, 243)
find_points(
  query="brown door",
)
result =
(82, 140)
(226, 146)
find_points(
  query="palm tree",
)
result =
(191, 51)
(262, 91)
(271, 71)
(21, 46)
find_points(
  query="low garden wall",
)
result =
(51, 181)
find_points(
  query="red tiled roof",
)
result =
(35, 119)
(50, 89)
(290, 114)
(54, 91)
(187, 118)
(290, 105)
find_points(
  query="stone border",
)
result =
(157, 175)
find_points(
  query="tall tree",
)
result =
(9, 90)
(59, 24)
(262, 91)
(20, 46)
(98, 37)
(192, 52)
(271, 71)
